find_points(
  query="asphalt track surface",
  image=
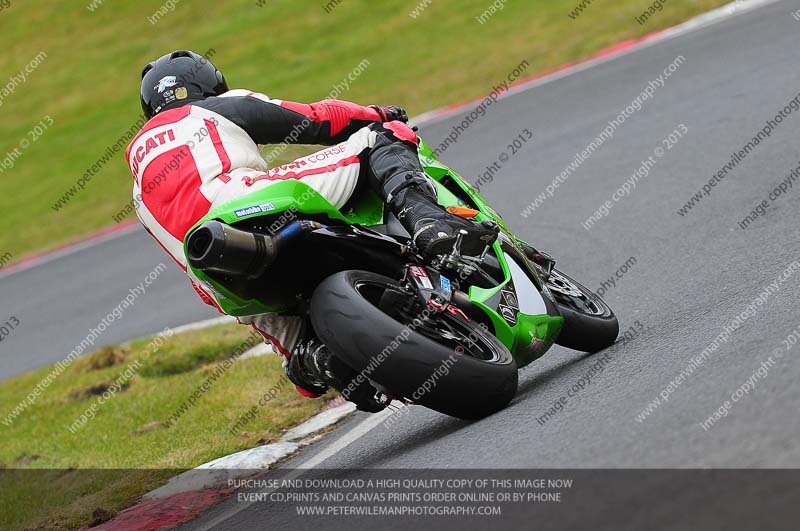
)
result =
(59, 302)
(692, 276)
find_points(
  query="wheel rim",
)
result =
(570, 294)
(445, 329)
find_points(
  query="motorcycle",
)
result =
(449, 334)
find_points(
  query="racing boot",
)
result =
(398, 177)
(433, 229)
(314, 369)
(305, 368)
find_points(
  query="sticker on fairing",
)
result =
(445, 283)
(255, 209)
(422, 275)
(418, 272)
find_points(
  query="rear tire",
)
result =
(396, 356)
(589, 323)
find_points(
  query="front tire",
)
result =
(466, 381)
(589, 323)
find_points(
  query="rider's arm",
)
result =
(275, 121)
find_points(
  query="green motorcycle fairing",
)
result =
(527, 335)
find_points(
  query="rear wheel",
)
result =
(589, 323)
(441, 360)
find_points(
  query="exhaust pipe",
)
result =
(219, 248)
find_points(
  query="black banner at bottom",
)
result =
(444, 499)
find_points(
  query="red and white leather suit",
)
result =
(187, 160)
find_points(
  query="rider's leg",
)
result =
(398, 177)
(332, 172)
(389, 152)
(286, 336)
(313, 368)
(309, 365)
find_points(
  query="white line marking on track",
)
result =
(367, 425)
(364, 427)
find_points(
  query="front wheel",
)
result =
(589, 323)
(441, 360)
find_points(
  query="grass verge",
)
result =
(419, 55)
(59, 474)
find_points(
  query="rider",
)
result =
(199, 150)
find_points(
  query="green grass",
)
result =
(129, 448)
(88, 84)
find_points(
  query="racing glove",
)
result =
(390, 113)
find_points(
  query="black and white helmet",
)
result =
(178, 78)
